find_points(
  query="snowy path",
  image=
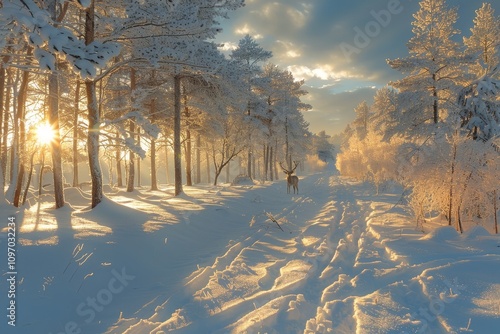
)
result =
(341, 261)
(329, 271)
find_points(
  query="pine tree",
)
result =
(249, 53)
(484, 42)
(361, 121)
(433, 69)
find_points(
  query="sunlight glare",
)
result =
(44, 134)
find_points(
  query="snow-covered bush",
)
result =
(454, 178)
(370, 159)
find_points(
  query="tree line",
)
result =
(436, 130)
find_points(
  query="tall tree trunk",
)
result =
(118, 158)
(264, 166)
(198, 158)
(287, 147)
(249, 160)
(271, 159)
(6, 130)
(207, 158)
(177, 136)
(188, 158)
(495, 208)
(154, 181)
(4, 122)
(55, 144)
(14, 148)
(75, 133)
(450, 204)
(93, 118)
(228, 172)
(275, 161)
(253, 167)
(20, 118)
(30, 174)
(138, 158)
(435, 105)
(217, 168)
(459, 221)
(188, 145)
(40, 173)
(268, 162)
(166, 163)
(131, 160)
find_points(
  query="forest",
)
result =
(436, 130)
(108, 86)
(142, 184)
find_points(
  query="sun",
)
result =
(44, 133)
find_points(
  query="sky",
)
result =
(322, 42)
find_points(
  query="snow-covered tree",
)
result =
(282, 120)
(385, 111)
(362, 120)
(40, 25)
(484, 41)
(227, 140)
(480, 108)
(49, 38)
(250, 54)
(322, 146)
(433, 69)
(175, 35)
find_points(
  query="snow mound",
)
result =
(108, 189)
(242, 180)
(112, 214)
(476, 232)
(442, 234)
(75, 196)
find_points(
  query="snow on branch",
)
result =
(480, 109)
(25, 18)
(149, 128)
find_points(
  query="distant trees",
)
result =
(282, 122)
(322, 146)
(249, 54)
(436, 131)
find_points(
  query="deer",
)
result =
(292, 180)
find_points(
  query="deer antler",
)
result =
(284, 169)
(295, 164)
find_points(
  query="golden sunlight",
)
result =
(44, 133)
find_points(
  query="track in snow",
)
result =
(271, 276)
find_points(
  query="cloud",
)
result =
(332, 111)
(291, 12)
(321, 72)
(228, 46)
(306, 36)
(302, 72)
(287, 49)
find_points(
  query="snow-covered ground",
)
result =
(338, 259)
